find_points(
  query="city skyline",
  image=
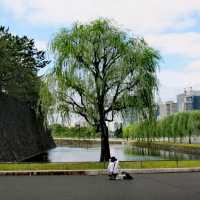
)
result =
(188, 100)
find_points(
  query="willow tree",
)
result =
(101, 71)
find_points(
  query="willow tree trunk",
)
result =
(105, 148)
(190, 142)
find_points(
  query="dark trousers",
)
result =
(112, 176)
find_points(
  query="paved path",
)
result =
(144, 187)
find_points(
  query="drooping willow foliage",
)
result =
(172, 128)
(100, 72)
(73, 132)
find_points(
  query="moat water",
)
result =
(122, 152)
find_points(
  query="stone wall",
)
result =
(22, 135)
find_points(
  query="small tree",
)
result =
(183, 125)
(193, 124)
(101, 71)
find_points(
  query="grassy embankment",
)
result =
(168, 143)
(169, 146)
(97, 165)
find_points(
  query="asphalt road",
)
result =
(182, 186)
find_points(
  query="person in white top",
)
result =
(113, 168)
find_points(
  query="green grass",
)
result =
(97, 165)
(160, 164)
(179, 144)
(167, 144)
(51, 166)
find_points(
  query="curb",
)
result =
(96, 172)
(54, 172)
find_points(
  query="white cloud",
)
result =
(182, 44)
(150, 18)
(193, 66)
(138, 15)
(19, 8)
(41, 45)
(173, 82)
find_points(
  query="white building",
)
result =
(166, 109)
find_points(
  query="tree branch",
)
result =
(118, 92)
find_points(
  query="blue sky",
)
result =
(172, 27)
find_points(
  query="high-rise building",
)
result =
(189, 100)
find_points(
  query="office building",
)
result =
(166, 109)
(189, 100)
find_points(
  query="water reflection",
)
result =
(122, 152)
(161, 154)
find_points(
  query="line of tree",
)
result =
(174, 128)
